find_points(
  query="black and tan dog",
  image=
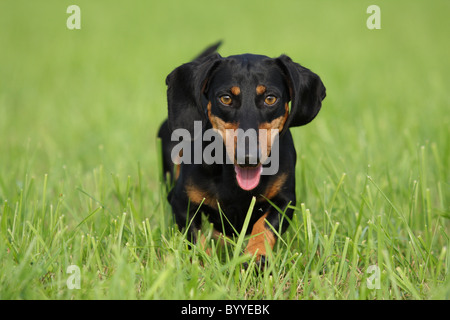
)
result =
(238, 92)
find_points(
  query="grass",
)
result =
(79, 176)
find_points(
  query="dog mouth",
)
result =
(248, 177)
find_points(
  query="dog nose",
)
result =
(248, 160)
(251, 160)
(248, 157)
(247, 147)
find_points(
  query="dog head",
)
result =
(241, 94)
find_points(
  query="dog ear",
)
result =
(306, 89)
(185, 87)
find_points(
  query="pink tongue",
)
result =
(248, 177)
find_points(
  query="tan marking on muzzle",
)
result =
(267, 127)
(228, 131)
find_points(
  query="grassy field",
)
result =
(79, 170)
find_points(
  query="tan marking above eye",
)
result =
(235, 90)
(226, 100)
(260, 89)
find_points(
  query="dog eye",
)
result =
(226, 100)
(270, 100)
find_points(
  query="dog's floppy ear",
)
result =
(306, 89)
(185, 87)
